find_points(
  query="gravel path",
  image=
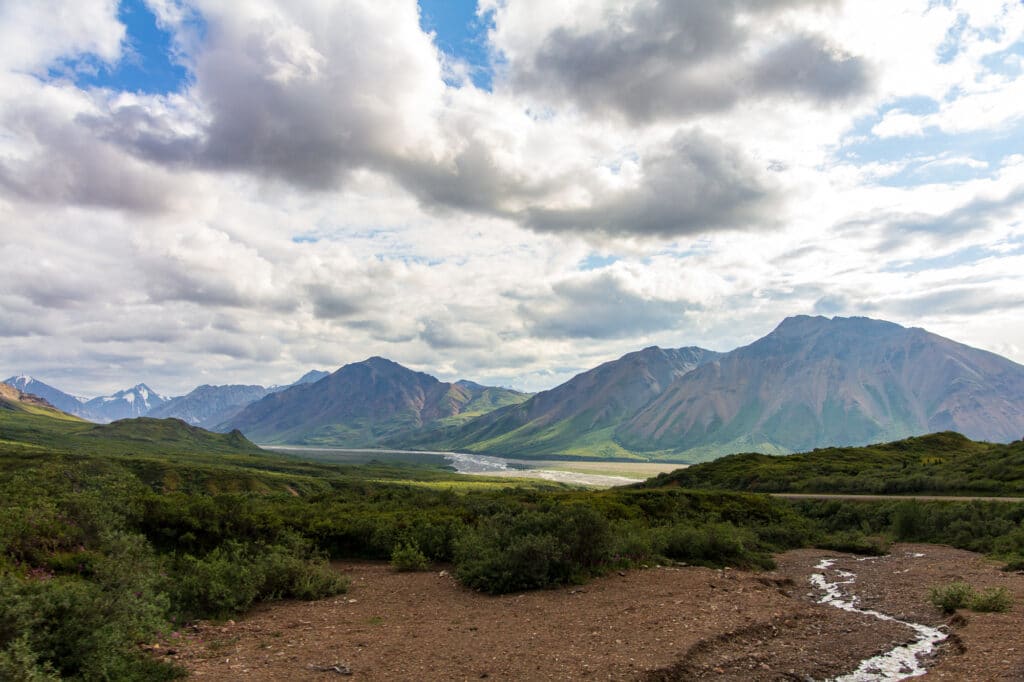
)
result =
(673, 623)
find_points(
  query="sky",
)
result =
(508, 191)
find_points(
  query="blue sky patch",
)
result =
(597, 261)
(461, 34)
(146, 64)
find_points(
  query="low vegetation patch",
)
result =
(960, 595)
(408, 557)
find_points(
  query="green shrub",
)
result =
(18, 663)
(956, 595)
(408, 557)
(714, 544)
(994, 599)
(508, 551)
(856, 542)
(1014, 565)
(233, 576)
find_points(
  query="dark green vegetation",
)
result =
(938, 464)
(112, 536)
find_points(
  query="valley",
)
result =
(360, 530)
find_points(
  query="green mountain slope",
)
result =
(365, 404)
(578, 417)
(944, 463)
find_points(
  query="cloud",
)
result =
(669, 59)
(599, 307)
(36, 33)
(976, 214)
(695, 184)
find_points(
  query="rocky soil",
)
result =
(668, 623)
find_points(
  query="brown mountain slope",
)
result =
(815, 382)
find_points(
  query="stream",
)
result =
(900, 663)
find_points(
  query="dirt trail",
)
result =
(677, 623)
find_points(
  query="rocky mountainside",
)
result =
(56, 397)
(580, 416)
(207, 406)
(815, 382)
(363, 404)
(136, 401)
(16, 400)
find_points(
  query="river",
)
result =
(901, 662)
(489, 465)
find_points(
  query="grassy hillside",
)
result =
(941, 463)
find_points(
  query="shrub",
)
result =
(994, 599)
(714, 544)
(527, 550)
(234, 575)
(956, 595)
(856, 542)
(408, 557)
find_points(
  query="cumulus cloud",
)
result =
(696, 183)
(668, 59)
(599, 307)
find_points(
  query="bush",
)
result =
(233, 576)
(508, 551)
(408, 557)
(956, 595)
(994, 599)
(714, 544)
(856, 542)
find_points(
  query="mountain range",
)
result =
(204, 406)
(366, 404)
(812, 382)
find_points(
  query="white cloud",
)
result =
(318, 194)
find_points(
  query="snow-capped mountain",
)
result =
(64, 402)
(207, 406)
(136, 401)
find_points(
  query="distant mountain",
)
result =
(14, 400)
(815, 382)
(207, 406)
(580, 416)
(363, 404)
(312, 376)
(136, 401)
(59, 399)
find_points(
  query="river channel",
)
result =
(571, 472)
(901, 662)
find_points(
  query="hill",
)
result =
(579, 417)
(938, 464)
(364, 404)
(816, 382)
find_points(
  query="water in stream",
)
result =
(901, 662)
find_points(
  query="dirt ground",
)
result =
(667, 623)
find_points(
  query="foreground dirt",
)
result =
(669, 623)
